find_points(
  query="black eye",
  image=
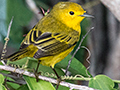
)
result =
(71, 13)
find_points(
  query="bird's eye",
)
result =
(71, 13)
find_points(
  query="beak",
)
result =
(87, 15)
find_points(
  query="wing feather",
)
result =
(48, 43)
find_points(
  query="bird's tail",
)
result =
(17, 55)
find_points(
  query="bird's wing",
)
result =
(49, 43)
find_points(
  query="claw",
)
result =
(58, 82)
(36, 75)
(35, 72)
(58, 78)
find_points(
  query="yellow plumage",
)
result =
(54, 36)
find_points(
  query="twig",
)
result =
(17, 79)
(6, 83)
(87, 59)
(14, 82)
(71, 86)
(89, 54)
(77, 49)
(6, 42)
(43, 11)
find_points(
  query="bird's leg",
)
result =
(36, 73)
(58, 78)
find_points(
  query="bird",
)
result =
(54, 36)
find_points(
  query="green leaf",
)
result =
(76, 67)
(63, 88)
(1, 78)
(40, 85)
(12, 85)
(23, 87)
(1, 82)
(101, 82)
(116, 86)
(3, 87)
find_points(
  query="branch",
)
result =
(6, 42)
(77, 49)
(87, 59)
(71, 86)
(114, 6)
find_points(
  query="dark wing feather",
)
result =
(48, 43)
(30, 38)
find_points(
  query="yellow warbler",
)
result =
(54, 36)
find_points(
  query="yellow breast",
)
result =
(52, 60)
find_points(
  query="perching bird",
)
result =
(54, 36)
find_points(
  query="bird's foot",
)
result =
(36, 75)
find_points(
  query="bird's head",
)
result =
(69, 13)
